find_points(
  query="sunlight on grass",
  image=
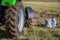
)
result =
(53, 6)
(40, 33)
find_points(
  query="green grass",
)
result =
(52, 6)
(40, 33)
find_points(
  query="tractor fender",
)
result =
(29, 12)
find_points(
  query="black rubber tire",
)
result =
(11, 21)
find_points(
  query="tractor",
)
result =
(13, 16)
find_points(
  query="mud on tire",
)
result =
(10, 21)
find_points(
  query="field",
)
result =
(40, 32)
(51, 6)
(41, 0)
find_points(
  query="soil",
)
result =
(39, 17)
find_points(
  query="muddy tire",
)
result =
(14, 20)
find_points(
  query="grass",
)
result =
(52, 6)
(42, 33)
(38, 33)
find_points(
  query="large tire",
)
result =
(14, 21)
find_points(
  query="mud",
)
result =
(39, 17)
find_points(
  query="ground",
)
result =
(43, 10)
(51, 6)
(41, 33)
(38, 32)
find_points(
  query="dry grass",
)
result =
(38, 33)
(53, 6)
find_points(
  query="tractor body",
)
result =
(12, 15)
(8, 2)
(5, 4)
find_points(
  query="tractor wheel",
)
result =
(14, 21)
